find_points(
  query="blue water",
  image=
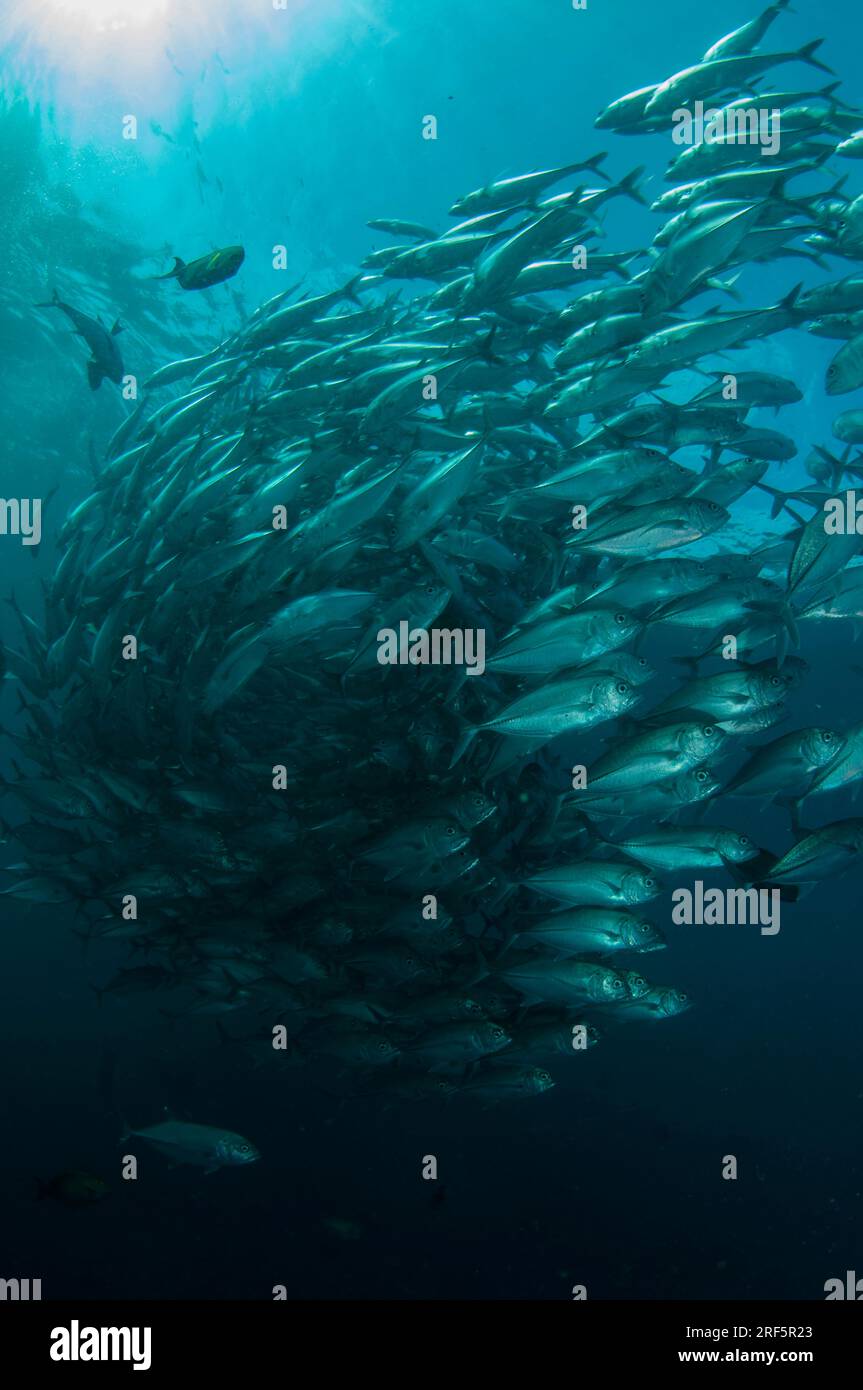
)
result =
(296, 128)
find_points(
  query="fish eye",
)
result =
(622, 688)
(617, 986)
(701, 775)
(743, 840)
(383, 1046)
(681, 997)
(827, 737)
(708, 731)
(244, 1148)
(621, 618)
(545, 1076)
(450, 830)
(776, 680)
(650, 882)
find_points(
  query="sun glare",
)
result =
(82, 60)
(106, 16)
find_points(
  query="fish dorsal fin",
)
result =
(179, 264)
(118, 328)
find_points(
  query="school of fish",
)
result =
(394, 866)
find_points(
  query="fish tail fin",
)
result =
(789, 300)
(465, 739)
(837, 466)
(179, 264)
(780, 499)
(759, 877)
(689, 664)
(94, 375)
(350, 289)
(484, 348)
(488, 922)
(509, 937)
(711, 461)
(789, 624)
(594, 165)
(837, 187)
(795, 516)
(806, 54)
(595, 841)
(50, 303)
(630, 186)
(792, 805)
(726, 286)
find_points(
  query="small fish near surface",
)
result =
(207, 270)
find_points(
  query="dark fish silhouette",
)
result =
(105, 360)
(73, 1189)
